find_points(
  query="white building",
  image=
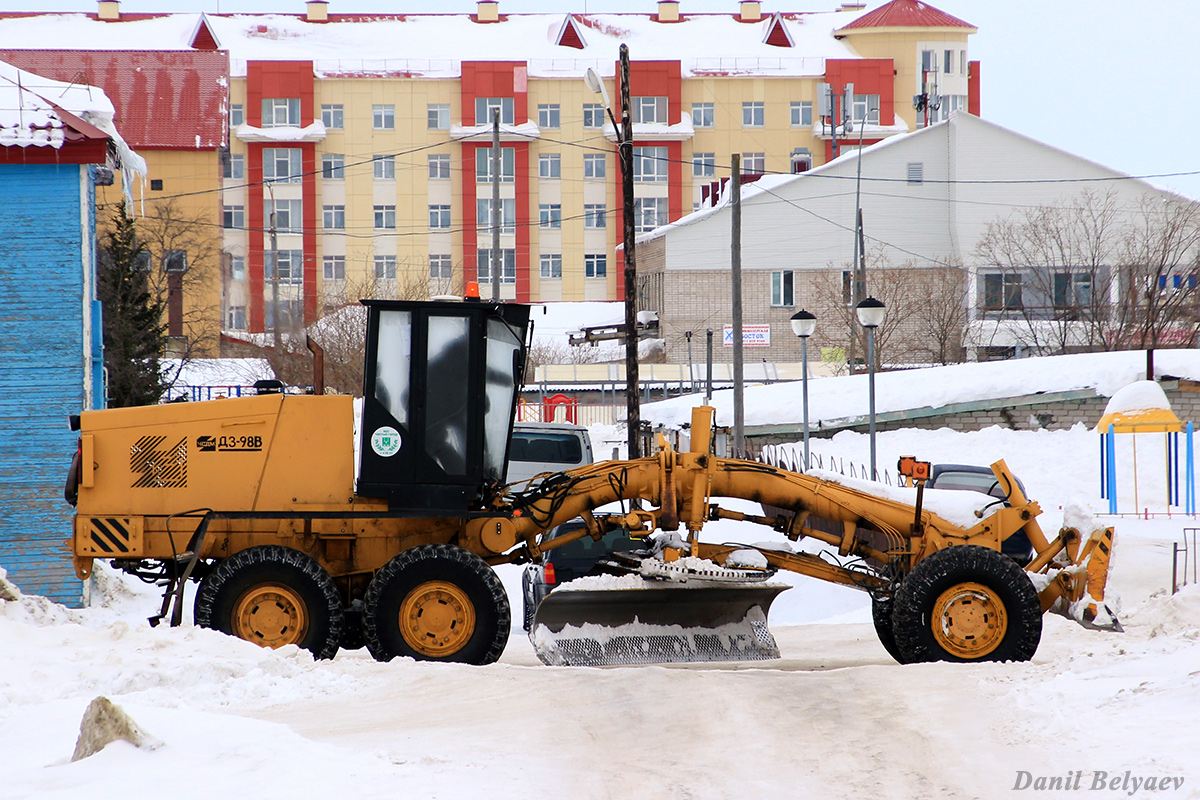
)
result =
(927, 201)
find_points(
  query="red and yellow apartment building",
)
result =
(366, 139)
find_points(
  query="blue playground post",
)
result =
(1190, 466)
(1111, 458)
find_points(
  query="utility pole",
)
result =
(274, 271)
(735, 258)
(633, 413)
(496, 217)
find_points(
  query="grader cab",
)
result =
(294, 538)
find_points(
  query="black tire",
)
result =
(457, 607)
(285, 589)
(966, 603)
(881, 615)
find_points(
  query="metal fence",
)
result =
(1184, 553)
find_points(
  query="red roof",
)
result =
(164, 99)
(907, 14)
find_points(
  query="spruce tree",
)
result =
(134, 335)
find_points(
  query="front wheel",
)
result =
(437, 602)
(966, 603)
(273, 596)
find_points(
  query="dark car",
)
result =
(967, 477)
(573, 560)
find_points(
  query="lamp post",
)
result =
(803, 325)
(870, 315)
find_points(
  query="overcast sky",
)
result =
(1110, 80)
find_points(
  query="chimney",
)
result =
(855, 6)
(316, 11)
(109, 10)
(668, 10)
(487, 11)
(749, 11)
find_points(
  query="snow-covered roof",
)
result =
(434, 45)
(907, 14)
(31, 108)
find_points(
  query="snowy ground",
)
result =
(834, 718)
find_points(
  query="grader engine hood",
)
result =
(439, 396)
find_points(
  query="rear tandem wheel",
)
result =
(437, 602)
(273, 596)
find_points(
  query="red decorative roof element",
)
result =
(568, 34)
(907, 14)
(777, 33)
(164, 99)
(203, 38)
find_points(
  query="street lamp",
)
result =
(803, 325)
(870, 316)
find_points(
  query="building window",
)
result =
(650, 110)
(333, 117)
(594, 165)
(385, 168)
(1074, 289)
(385, 216)
(549, 166)
(237, 268)
(288, 215)
(291, 266)
(783, 288)
(704, 165)
(485, 105)
(383, 117)
(237, 115)
(702, 115)
(483, 164)
(236, 319)
(929, 61)
(333, 167)
(282, 164)
(753, 115)
(962, 62)
(334, 268)
(439, 167)
(754, 163)
(802, 114)
(593, 115)
(234, 167)
(595, 215)
(595, 265)
(948, 62)
(649, 213)
(438, 116)
(333, 218)
(548, 115)
(650, 164)
(551, 265)
(281, 112)
(916, 173)
(1001, 291)
(508, 214)
(440, 266)
(174, 261)
(385, 267)
(156, 184)
(439, 216)
(865, 107)
(233, 217)
(550, 215)
(508, 265)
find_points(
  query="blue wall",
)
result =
(41, 369)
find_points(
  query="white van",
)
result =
(539, 447)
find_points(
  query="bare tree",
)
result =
(1159, 254)
(1050, 268)
(925, 312)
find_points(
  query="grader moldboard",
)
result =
(259, 500)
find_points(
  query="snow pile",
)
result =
(964, 509)
(847, 397)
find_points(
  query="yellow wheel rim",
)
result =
(437, 619)
(270, 615)
(969, 620)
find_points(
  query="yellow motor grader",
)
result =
(300, 530)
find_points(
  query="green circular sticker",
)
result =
(385, 441)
